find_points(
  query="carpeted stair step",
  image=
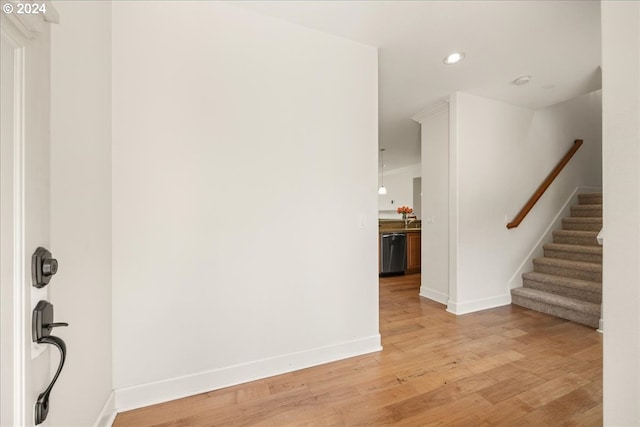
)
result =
(584, 312)
(574, 252)
(590, 198)
(582, 223)
(574, 269)
(584, 290)
(592, 211)
(576, 237)
(567, 282)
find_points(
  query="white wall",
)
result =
(500, 155)
(81, 208)
(435, 204)
(621, 157)
(399, 184)
(244, 219)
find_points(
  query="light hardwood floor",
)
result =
(508, 366)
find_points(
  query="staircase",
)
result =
(567, 281)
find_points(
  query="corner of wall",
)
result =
(108, 414)
(434, 295)
(471, 306)
(453, 197)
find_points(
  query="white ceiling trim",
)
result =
(434, 109)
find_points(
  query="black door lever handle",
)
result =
(42, 404)
(42, 324)
(55, 325)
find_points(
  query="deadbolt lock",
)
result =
(43, 267)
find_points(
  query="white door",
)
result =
(24, 202)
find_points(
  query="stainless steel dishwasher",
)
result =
(393, 250)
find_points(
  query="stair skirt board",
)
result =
(567, 281)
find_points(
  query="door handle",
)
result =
(42, 404)
(42, 325)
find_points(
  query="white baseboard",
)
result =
(466, 307)
(434, 295)
(175, 388)
(601, 326)
(108, 414)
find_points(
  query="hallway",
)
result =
(507, 366)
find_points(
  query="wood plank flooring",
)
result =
(508, 366)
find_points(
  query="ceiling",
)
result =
(557, 43)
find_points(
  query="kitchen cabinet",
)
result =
(413, 252)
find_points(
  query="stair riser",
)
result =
(575, 240)
(578, 226)
(564, 313)
(564, 291)
(573, 256)
(584, 211)
(568, 272)
(590, 199)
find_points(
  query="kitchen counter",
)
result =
(398, 226)
(399, 230)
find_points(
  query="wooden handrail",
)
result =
(545, 184)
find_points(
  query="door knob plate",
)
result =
(42, 321)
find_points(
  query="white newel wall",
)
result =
(499, 154)
(621, 248)
(435, 203)
(244, 205)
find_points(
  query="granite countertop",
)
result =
(399, 230)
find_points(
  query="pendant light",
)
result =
(382, 190)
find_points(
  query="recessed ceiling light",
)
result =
(522, 80)
(454, 58)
